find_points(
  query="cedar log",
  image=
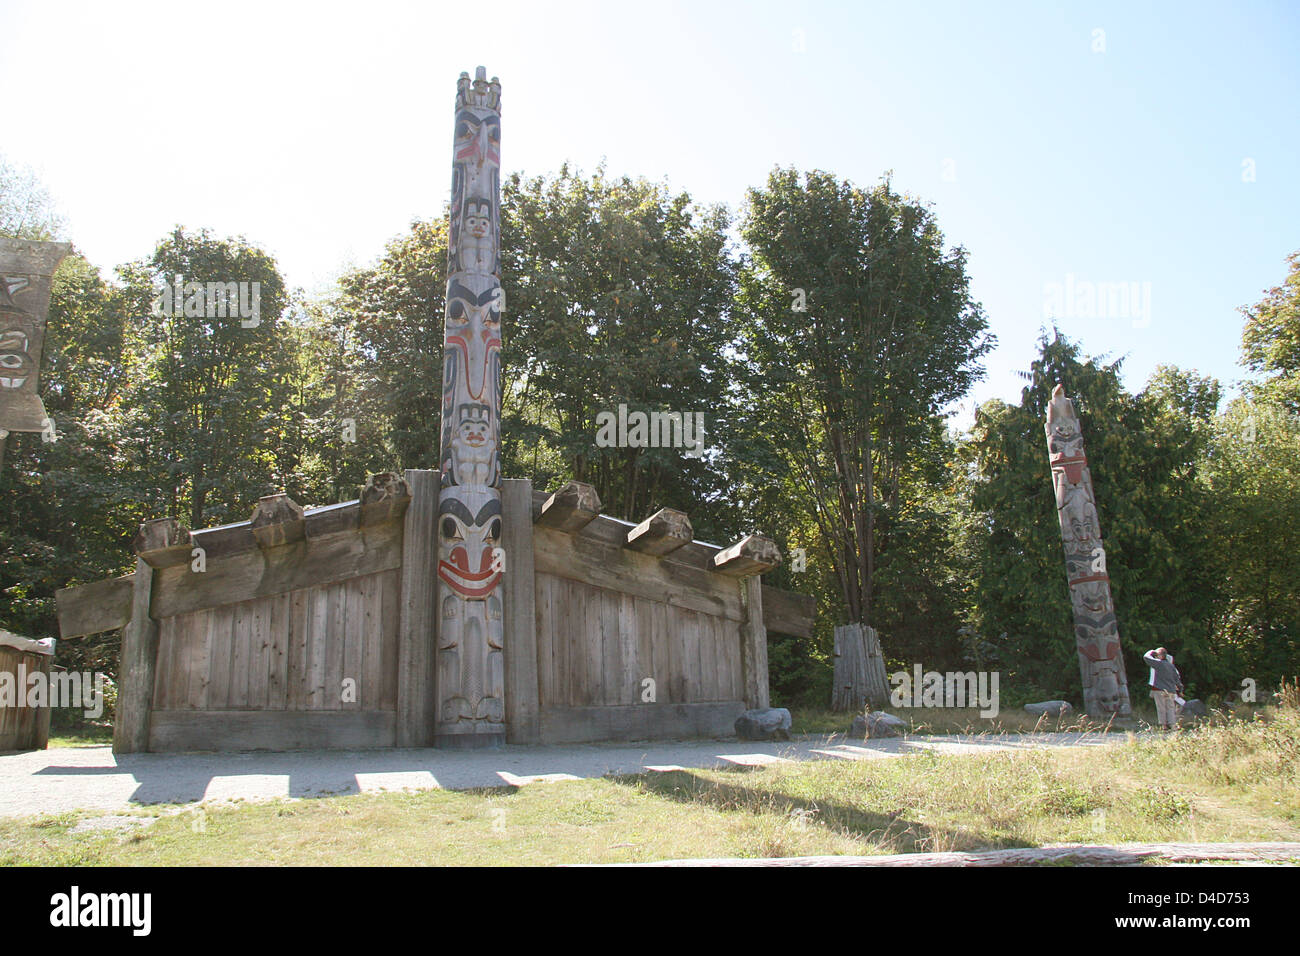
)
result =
(664, 531)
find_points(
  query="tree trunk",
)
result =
(859, 670)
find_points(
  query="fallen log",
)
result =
(1078, 854)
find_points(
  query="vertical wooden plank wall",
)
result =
(23, 727)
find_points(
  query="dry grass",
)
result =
(1230, 780)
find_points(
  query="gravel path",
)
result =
(92, 778)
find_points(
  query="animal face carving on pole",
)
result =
(470, 667)
(26, 275)
(1096, 629)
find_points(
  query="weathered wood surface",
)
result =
(639, 721)
(92, 608)
(523, 722)
(754, 646)
(285, 652)
(787, 612)
(571, 508)
(385, 497)
(1122, 854)
(662, 533)
(250, 573)
(859, 676)
(23, 728)
(597, 645)
(196, 730)
(613, 566)
(163, 543)
(417, 635)
(613, 532)
(137, 667)
(277, 520)
(752, 554)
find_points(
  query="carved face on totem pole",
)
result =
(472, 347)
(475, 190)
(16, 364)
(26, 274)
(471, 680)
(472, 455)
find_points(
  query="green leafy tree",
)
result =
(857, 328)
(1270, 341)
(27, 211)
(1251, 473)
(209, 392)
(617, 292)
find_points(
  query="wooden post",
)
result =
(417, 630)
(753, 645)
(523, 718)
(139, 646)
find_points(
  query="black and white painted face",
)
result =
(478, 219)
(469, 532)
(16, 364)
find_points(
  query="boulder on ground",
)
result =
(877, 724)
(1195, 708)
(1052, 708)
(766, 723)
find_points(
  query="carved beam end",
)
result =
(277, 520)
(385, 497)
(162, 543)
(571, 508)
(752, 554)
(664, 531)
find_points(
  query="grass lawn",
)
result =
(1236, 781)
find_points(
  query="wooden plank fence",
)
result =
(316, 628)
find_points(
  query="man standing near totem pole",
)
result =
(1166, 685)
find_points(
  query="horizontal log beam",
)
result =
(662, 533)
(571, 508)
(229, 730)
(753, 554)
(1122, 854)
(639, 721)
(584, 559)
(92, 608)
(312, 562)
(788, 612)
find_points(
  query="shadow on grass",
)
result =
(888, 832)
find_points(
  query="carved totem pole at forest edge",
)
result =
(470, 668)
(1096, 629)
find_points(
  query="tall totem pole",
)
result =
(1096, 629)
(470, 669)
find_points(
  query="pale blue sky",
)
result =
(319, 130)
